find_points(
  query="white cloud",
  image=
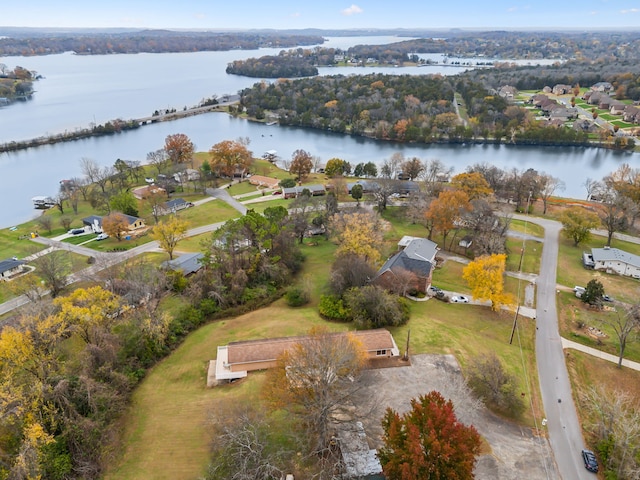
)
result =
(631, 10)
(295, 15)
(352, 10)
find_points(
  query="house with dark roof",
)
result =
(235, 360)
(186, 263)
(293, 192)
(10, 267)
(614, 260)
(95, 222)
(172, 206)
(415, 257)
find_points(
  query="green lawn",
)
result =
(531, 258)
(526, 227)
(164, 432)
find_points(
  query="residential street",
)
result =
(565, 434)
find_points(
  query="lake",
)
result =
(79, 90)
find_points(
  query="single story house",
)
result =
(187, 263)
(262, 181)
(415, 255)
(614, 260)
(10, 267)
(148, 190)
(293, 192)
(172, 206)
(235, 360)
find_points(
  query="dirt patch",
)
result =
(515, 452)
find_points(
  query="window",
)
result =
(381, 353)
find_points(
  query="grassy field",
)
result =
(526, 227)
(164, 432)
(530, 259)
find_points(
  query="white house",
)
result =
(614, 260)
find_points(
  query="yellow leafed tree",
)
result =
(169, 233)
(485, 277)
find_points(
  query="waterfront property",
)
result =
(235, 360)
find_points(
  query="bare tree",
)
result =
(318, 379)
(53, 269)
(46, 222)
(548, 186)
(615, 422)
(242, 448)
(593, 187)
(616, 212)
(160, 160)
(624, 325)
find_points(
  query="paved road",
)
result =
(565, 434)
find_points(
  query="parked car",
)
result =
(102, 236)
(433, 289)
(607, 298)
(77, 231)
(590, 461)
(459, 299)
(577, 289)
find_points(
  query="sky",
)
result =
(328, 14)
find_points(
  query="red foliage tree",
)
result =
(428, 442)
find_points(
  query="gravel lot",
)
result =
(516, 452)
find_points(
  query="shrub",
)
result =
(297, 296)
(287, 183)
(493, 384)
(333, 308)
(373, 307)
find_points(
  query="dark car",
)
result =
(77, 231)
(590, 461)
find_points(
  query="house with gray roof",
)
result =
(411, 268)
(10, 267)
(614, 260)
(186, 263)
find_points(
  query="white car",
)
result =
(459, 299)
(102, 236)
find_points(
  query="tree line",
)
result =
(149, 41)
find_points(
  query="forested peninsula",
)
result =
(402, 108)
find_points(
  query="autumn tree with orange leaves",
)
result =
(473, 184)
(115, 225)
(230, 156)
(179, 148)
(445, 210)
(428, 442)
(301, 164)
